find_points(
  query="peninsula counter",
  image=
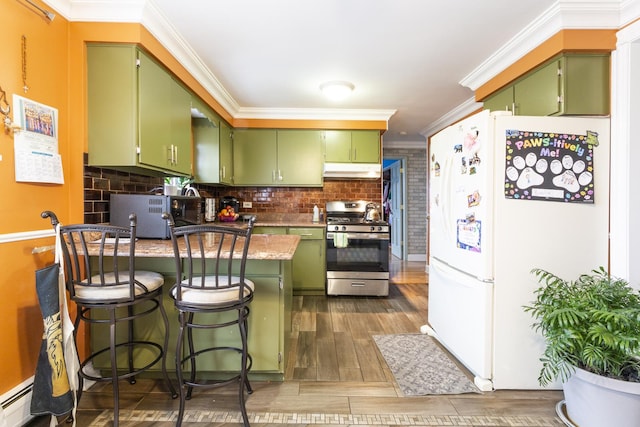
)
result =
(269, 266)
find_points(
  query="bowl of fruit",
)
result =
(228, 214)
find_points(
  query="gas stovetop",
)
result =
(350, 216)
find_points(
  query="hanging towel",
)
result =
(55, 382)
(340, 240)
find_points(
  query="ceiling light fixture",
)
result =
(337, 90)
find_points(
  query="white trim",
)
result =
(462, 110)
(625, 202)
(417, 257)
(17, 412)
(26, 235)
(314, 113)
(564, 14)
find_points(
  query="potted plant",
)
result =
(592, 331)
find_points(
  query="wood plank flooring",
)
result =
(335, 376)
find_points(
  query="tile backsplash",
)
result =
(100, 183)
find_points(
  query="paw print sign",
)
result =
(549, 166)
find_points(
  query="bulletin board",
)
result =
(550, 166)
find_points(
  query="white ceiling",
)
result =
(415, 61)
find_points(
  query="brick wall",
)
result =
(416, 198)
(100, 183)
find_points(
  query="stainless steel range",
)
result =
(357, 249)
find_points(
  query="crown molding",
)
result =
(468, 107)
(147, 14)
(314, 114)
(564, 14)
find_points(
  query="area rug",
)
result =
(420, 367)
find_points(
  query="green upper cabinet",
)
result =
(269, 157)
(212, 147)
(139, 116)
(300, 159)
(254, 156)
(571, 84)
(226, 154)
(357, 146)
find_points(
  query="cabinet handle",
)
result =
(224, 171)
(175, 157)
(279, 175)
(170, 154)
(273, 175)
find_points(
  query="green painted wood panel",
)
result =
(365, 146)
(300, 160)
(112, 77)
(254, 156)
(337, 146)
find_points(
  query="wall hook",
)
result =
(5, 109)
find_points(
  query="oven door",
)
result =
(359, 252)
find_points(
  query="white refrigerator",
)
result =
(508, 194)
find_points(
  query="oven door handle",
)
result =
(362, 236)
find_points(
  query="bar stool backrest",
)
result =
(113, 267)
(210, 257)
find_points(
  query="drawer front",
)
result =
(309, 233)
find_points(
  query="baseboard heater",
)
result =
(16, 404)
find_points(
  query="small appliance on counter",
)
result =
(185, 210)
(210, 209)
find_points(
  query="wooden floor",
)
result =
(335, 375)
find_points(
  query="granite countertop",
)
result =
(262, 247)
(275, 219)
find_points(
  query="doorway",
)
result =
(393, 199)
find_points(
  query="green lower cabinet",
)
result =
(309, 261)
(269, 326)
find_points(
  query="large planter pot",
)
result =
(596, 401)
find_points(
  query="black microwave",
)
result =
(186, 210)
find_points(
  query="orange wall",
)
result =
(47, 78)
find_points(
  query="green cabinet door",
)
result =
(501, 101)
(154, 94)
(357, 146)
(264, 339)
(139, 116)
(112, 97)
(570, 84)
(538, 94)
(337, 146)
(585, 84)
(206, 144)
(309, 261)
(226, 154)
(180, 119)
(365, 146)
(300, 160)
(254, 156)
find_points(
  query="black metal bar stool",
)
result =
(108, 290)
(211, 292)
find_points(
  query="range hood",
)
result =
(352, 170)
